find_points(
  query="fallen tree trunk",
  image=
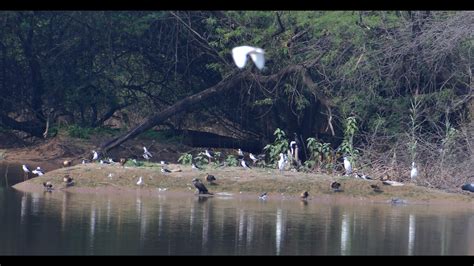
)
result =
(180, 106)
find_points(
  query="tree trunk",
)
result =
(180, 106)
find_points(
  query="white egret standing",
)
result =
(140, 181)
(26, 171)
(146, 154)
(254, 159)
(239, 54)
(244, 164)
(414, 172)
(347, 166)
(95, 155)
(281, 162)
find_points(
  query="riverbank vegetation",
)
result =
(387, 87)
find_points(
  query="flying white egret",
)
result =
(347, 166)
(239, 54)
(414, 171)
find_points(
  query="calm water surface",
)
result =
(61, 223)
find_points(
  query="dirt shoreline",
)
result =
(97, 178)
(114, 180)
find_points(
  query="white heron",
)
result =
(244, 164)
(414, 171)
(140, 181)
(347, 166)
(254, 159)
(239, 54)
(26, 171)
(95, 155)
(146, 152)
(281, 162)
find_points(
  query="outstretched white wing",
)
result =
(240, 55)
(258, 58)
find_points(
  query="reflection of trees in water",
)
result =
(325, 229)
(35, 198)
(241, 223)
(250, 228)
(205, 226)
(345, 234)
(23, 207)
(280, 230)
(92, 227)
(108, 214)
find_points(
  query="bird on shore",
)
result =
(209, 154)
(48, 186)
(140, 181)
(336, 186)
(195, 167)
(376, 188)
(253, 158)
(263, 196)
(146, 154)
(240, 154)
(413, 172)
(123, 161)
(244, 164)
(210, 179)
(164, 170)
(38, 171)
(68, 180)
(281, 163)
(26, 172)
(469, 187)
(239, 54)
(304, 195)
(95, 155)
(164, 163)
(347, 166)
(67, 163)
(200, 186)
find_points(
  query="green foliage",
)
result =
(347, 146)
(164, 136)
(231, 160)
(76, 131)
(280, 145)
(79, 132)
(319, 153)
(186, 158)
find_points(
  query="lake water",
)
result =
(61, 223)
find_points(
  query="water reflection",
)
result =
(71, 224)
(344, 234)
(411, 234)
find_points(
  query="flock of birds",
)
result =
(239, 55)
